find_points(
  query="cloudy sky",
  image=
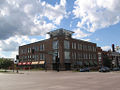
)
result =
(26, 21)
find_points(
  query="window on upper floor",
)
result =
(55, 44)
(74, 45)
(66, 44)
(79, 46)
(42, 48)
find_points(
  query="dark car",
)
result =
(84, 69)
(116, 69)
(104, 69)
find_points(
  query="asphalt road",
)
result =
(64, 80)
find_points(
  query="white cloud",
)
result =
(79, 34)
(96, 14)
(106, 48)
(97, 39)
(29, 17)
(10, 45)
(1, 55)
(86, 39)
(21, 18)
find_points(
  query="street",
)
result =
(63, 80)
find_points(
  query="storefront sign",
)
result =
(34, 63)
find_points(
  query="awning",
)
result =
(41, 62)
(20, 63)
(24, 63)
(34, 63)
(28, 63)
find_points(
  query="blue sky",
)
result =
(27, 21)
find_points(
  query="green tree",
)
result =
(5, 63)
(1, 61)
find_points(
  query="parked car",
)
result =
(84, 69)
(116, 69)
(104, 69)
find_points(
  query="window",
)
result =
(89, 55)
(84, 56)
(66, 44)
(72, 55)
(94, 49)
(42, 47)
(55, 45)
(74, 46)
(75, 55)
(42, 57)
(94, 56)
(79, 46)
(36, 48)
(67, 55)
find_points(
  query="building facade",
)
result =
(100, 56)
(72, 53)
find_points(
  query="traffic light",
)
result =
(17, 56)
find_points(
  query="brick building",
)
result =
(100, 56)
(72, 53)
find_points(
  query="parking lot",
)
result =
(63, 80)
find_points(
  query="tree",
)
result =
(1, 60)
(5, 64)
